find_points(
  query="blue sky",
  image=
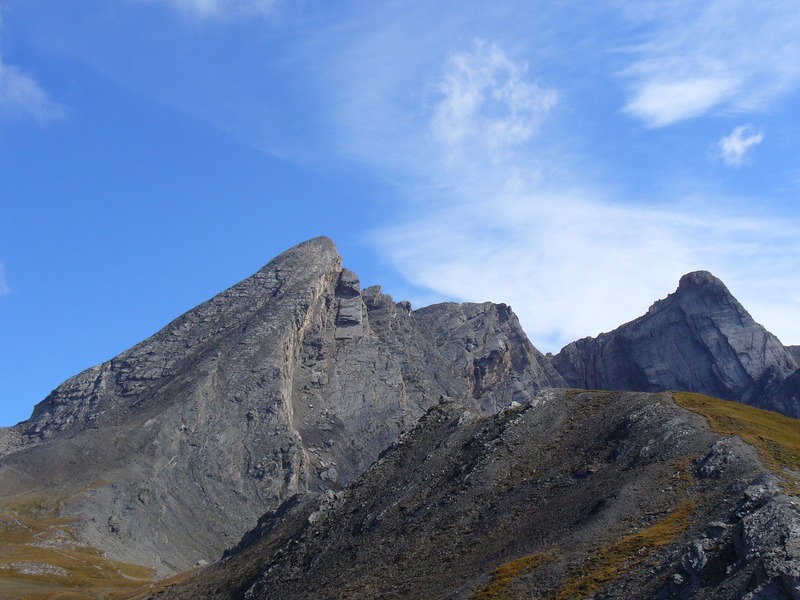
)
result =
(571, 159)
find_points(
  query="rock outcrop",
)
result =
(795, 352)
(292, 381)
(698, 339)
(487, 346)
(578, 494)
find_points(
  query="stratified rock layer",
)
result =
(291, 381)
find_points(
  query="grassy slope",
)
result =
(40, 557)
(777, 440)
(505, 575)
(613, 560)
(775, 436)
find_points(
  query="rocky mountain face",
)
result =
(698, 339)
(490, 351)
(291, 381)
(275, 396)
(795, 352)
(573, 495)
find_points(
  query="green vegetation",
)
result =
(610, 562)
(506, 574)
(41, 558)
(775, 436)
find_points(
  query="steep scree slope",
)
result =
(574, 495)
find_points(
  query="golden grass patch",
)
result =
(505, 575)
(776, 437)
(42, 558)
(613, 560)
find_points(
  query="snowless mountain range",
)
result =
(334, 443)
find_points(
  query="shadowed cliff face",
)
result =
(697, 339)
(291, 381)
(624, 495)
(488, 348)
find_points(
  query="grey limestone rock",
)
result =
(697, 339)
(292, 381)
(200, 422)
(722, 455)
(486, 343)
(754, 553)
(787, 398)
(795, 352)
(350, 314)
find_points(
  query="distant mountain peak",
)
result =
(699, 338)
(322, 241)
(699, 279)
(700, 292)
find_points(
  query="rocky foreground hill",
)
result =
(572, 495)
(283, 390)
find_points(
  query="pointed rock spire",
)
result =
(699, 338)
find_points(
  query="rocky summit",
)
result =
(697, 339)
(339, 420)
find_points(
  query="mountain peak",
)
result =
(699, 338)
(322, 242)
(295, 380)
(699, 279)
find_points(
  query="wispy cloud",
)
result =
(724, 55)
(21, 95)
(735, 147)
(487, 101)
(664, 101)
(208, 9)
(572, 262)
(478, 137)
(498, 205)
(526, 227)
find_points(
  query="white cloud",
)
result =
(735, 147)
(21, 94)
(207, 9)
(572, 263)
(523, 228)
(487, 218)
(496, 209)
(724, 55)
(665, 102)
(487, 101)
